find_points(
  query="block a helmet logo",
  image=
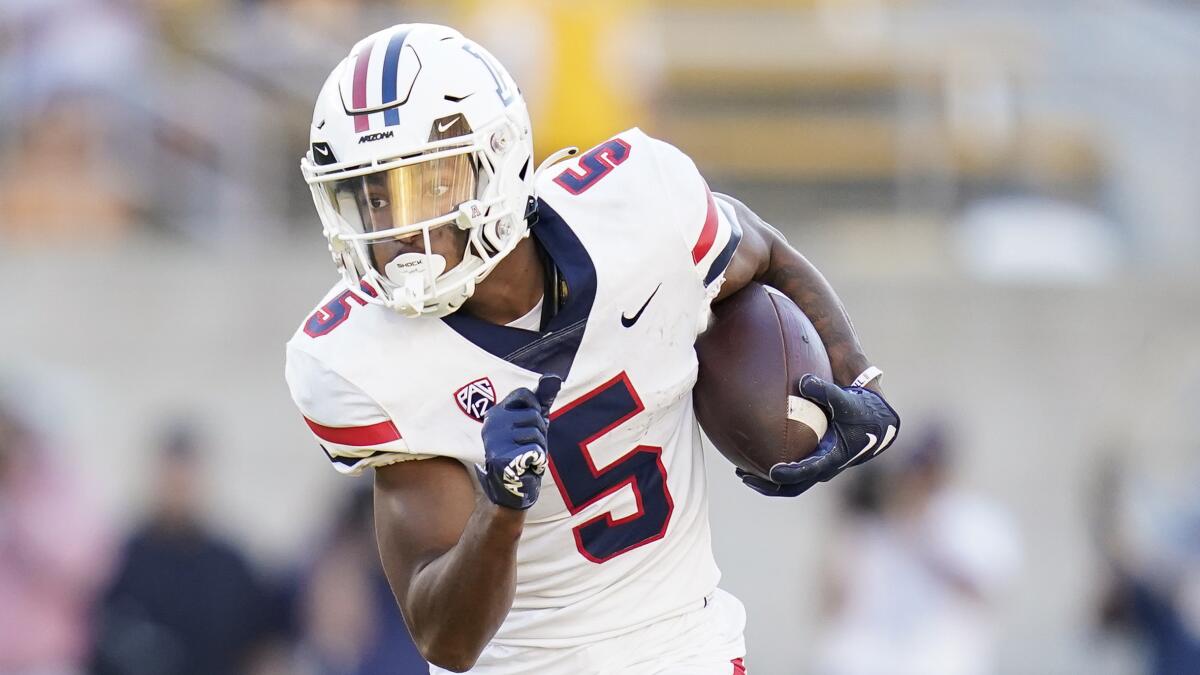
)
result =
(476, 398)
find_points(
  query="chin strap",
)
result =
(531, 212)
(554, 158)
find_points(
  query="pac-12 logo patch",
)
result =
(476, 398)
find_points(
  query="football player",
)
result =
(510, 350)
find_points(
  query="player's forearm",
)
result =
(463, 595)
(765, 256)
(792, 273)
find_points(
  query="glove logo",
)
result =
(476, 398)
(534, 460)
(870, 444)
(888, 436)
(871, 440)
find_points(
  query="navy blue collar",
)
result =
(553, 349)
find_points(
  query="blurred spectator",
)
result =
(60, 184)
(94, 45)
(53, 556)
(72, 73)
(1150, 541)
(917, 572)
(349, 620)
(183, 602)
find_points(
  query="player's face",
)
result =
(405, 196)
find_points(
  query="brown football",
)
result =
(747, 399)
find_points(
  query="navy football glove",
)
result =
(861, 425)
(514, 445)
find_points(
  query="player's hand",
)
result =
(861, 425)
(514, 445)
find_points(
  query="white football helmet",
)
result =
(417, 129)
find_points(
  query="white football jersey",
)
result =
(619, 537)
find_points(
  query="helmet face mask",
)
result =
(423, 206)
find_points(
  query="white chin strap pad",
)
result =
(405, 266)
(414, 275)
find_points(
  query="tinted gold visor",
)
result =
(403, 197)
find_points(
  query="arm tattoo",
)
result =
(792, 274)
(795, 277)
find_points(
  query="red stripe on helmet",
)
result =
(362, 61)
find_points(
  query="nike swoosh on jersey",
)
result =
(628, 321)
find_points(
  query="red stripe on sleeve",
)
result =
(359, 92)
(709, 232)
(373, 434)
(739, 667)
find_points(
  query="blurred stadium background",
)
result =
(1005, 192)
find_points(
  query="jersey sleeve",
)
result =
(708, 225)
(353, 430)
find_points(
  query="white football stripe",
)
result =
(807, 413)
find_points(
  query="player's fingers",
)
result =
(824, 394)
(741, 473)
(547, 390)
(821, 465)
(793, 473)
(814, 471)
(770, 489)
(808, 469)
(531, 435)
(528, 417)
(757, 484)
(521, 397)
